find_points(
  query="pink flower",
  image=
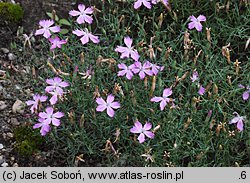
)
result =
(37, 98)
(86, 36)
(195, 76)
(137, 128)
(56, 84)
(245, 95)
(196, 22)
(50, 117)
(45, 127)
(109, 105)
(155, 68)
(128, 51)
(202, 90)
(239, 120)
(143, 70)
(55, 94)
(47, 29)
(164, 99)
(56, 43)
(83, 14)
(126, 70)
(146, 3)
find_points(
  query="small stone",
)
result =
(10, 135)
(15, 165)
(12, 158)
(18, 107)
(14, 122)
(2, 105)
(1, 146)
(12, 57)
(18, 87)
(5, 50)
(4, 164)
(1, 87)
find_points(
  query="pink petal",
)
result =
(241, 86)
(147, 126)
(78, 32)
(50, 81)
(135, 130)
(129, 75)
(138, 125)
(74, 13)
(39, 32)
(121, 49)
(55, 29)
(89, 10)
(55, 122)
(240, 125)
(122, 73)
(93, 38)
(43, 115)
(245, 95)
(100, 101)
(156, 99)
(128, 41)
(42, 23)
(115, 105)
(122, 66)
(85, 39)
(49, 88)
(163, 104)
(198, 26)
(30, 102)
(167, 92)
(58, 115)
(88, 19)
(49, 23)
(201, 18)
(202, 90)
(234, 120)
(53, 100)
(110, 112)
(47, 34)
(147, 4)
(148, 72)
(137, 4)
(142, 75)
(57, 80)
(110, 99)
(64, 84)
(125, 54)
(193, 19)
(49, 110)
(52, 47)
(141, 138)
(149, 134)
(135, 55)
(101, 108)
(191, 25)
(80, 19)
(37, 125)
(81, 7)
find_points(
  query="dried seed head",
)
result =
(152, 86)
(226, 52)
(160, 18)
(208, 31)
(82, 58)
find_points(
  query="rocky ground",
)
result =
(15, 89)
